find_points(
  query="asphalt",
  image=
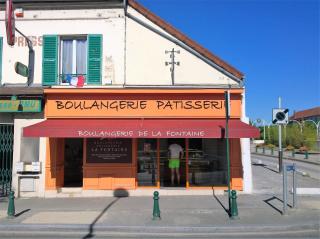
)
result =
(312, 158)
(260, 215)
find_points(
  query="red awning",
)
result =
(139, 128)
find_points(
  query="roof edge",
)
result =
(183, 38)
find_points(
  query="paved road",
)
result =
(181, 217)
(267, 180)
(311, 170)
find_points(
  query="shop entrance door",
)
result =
(169, 176)
(73, 162)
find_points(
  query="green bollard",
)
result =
(293, 153)
(11, 210)
(263, 150)
(306, 155)
(271, 151)
(156, 209)
(256, 149)
(234, 207)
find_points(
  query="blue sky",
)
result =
(275, 43)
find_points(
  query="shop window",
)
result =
(147, 162)
(207, 162)
(74, 60)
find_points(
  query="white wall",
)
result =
(19, 124)
(145, 62)
(109, 22)
(245, 152)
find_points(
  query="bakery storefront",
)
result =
(109, 139)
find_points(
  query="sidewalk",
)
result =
(180, 215)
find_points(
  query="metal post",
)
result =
(280, 142)
(30, 58)
(11, 209)
(294, 187)
(264, 131)
(284, 173)
(156, 208)
(306, 155)
(227, 146)
(234, 207)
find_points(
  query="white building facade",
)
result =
(116, 85)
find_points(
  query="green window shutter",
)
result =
(1, 59)
(94, 59)
(50, 60)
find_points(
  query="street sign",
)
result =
(280, 116)
(290, 167)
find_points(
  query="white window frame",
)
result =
(74, 39)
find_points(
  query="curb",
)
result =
(82, 228)
(293, 159)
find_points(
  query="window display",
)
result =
(207, 162)
(147, 162)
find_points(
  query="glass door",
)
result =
(147, 166)
(172, 157)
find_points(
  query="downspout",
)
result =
(186, 47)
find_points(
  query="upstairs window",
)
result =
(73, 60)
(70, 59)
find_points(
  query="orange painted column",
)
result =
(236, 165)
(54, 163)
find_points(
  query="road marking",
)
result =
(308, 191)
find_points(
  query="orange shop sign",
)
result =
(198, 108)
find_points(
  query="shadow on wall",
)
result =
(118, 194)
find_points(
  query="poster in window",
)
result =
(109, 150)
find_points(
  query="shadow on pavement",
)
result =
(267, 201)
(22, 212)
(118, 193)
(265, 166)
(221, 204)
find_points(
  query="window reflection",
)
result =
(147, 162)
(207, 166)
